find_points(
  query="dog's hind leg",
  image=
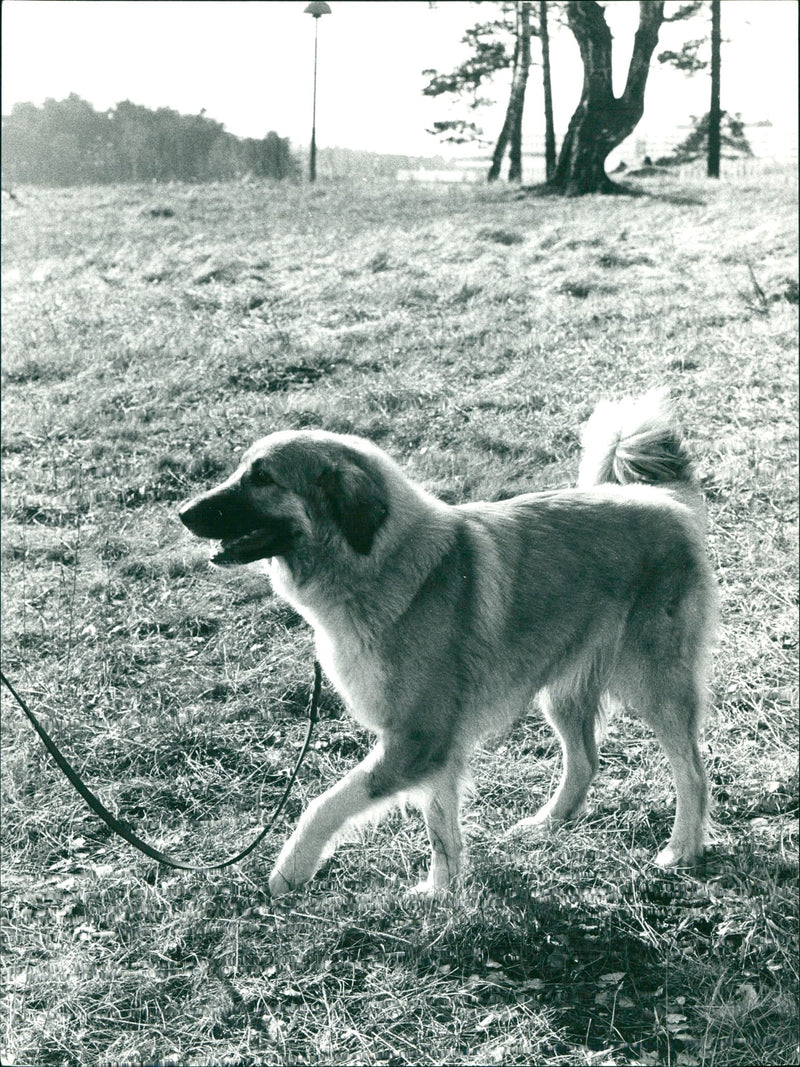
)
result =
(573, 715)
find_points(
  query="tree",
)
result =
(715, 115)
(512, 126)
(732, 137)
(488, 42)
(22, 144)
(549, 128)
(490, 53)
(68, 143)
(688, 59)
(602, 120)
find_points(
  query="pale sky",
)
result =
(250, 65)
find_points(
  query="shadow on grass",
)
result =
(599, 975)
(618, 189)
(597, 964)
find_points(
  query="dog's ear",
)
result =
(357, 504)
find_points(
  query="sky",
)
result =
(250, 66)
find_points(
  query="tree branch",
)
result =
(651, 15)
(588, 24)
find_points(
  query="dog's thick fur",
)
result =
(439, 624)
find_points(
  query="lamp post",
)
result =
(317, 9)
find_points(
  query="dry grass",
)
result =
(469, 332)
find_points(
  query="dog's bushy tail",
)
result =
(635, 440)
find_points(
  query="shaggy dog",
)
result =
(439, 624)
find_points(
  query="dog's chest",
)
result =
(355, 671)
(357, 675)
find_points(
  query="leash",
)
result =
(123, 829)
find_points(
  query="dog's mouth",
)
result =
(256, 545)
(263, 543)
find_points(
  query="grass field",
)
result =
(149, 335)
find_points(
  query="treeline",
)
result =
(67, 142)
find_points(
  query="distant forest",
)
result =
(67, 142)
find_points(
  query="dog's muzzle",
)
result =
(227, 515)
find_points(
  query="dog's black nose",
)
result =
(187, 513)
(204, 516)
(220, 514)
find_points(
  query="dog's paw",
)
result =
(294, 867)
(547, 818)
(428, 890)
(537, 825)
(670, 856)
(532, 824)
(279, 884)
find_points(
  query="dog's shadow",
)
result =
(593, 955)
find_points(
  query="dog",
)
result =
(441, 623)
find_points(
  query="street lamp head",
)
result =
(317, 8)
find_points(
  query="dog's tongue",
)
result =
(246, 549)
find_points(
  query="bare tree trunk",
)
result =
(505, 132)
(549, 128)
(518, 90)
(715, 115)
(512, 126)
(602, 121)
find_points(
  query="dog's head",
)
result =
(293, 489)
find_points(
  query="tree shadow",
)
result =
(544, 189)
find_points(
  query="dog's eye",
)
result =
(261, 476)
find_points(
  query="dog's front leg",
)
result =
(321, 822)
(441, 800)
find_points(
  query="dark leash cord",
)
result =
(123, 829)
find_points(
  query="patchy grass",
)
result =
(469, 331)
